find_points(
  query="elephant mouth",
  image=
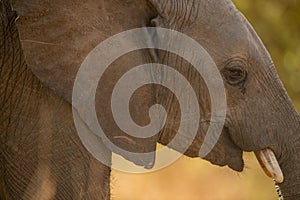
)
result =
(267, 160)
(234, 160)
(227, 152)
(265, 157)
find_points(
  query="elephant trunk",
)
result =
(290, 165)
(281, 161)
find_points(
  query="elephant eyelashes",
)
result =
(234, 72)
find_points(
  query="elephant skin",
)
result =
(56, 37)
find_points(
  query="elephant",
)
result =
(42, 155)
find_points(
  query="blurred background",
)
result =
(277, 22)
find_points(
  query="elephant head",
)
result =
(260, 117)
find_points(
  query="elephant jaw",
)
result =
(269, 164)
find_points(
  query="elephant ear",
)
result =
(58, 35)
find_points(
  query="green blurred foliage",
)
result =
(277, 22)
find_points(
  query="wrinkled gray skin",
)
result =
(57, 35)
(41, 154)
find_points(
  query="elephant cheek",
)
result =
(226, 152)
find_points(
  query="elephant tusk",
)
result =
(269, 164)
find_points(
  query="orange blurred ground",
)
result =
(193, 179)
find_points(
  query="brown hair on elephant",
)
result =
(57, 36)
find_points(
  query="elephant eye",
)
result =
(234, 72)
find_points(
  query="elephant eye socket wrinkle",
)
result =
(234, 72)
